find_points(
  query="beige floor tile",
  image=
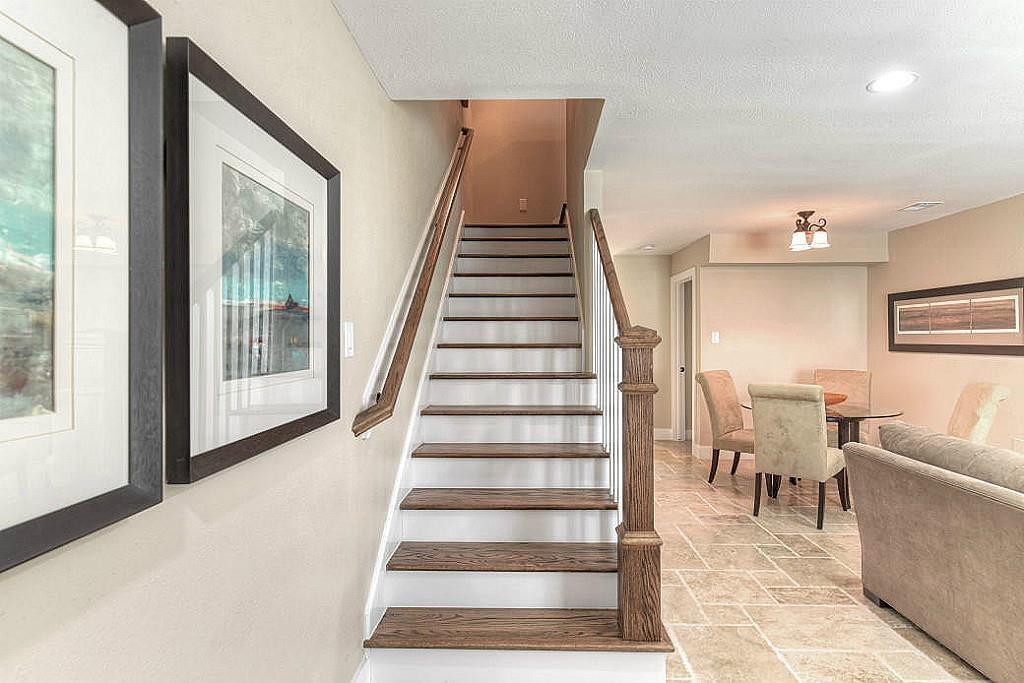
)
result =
(810, 595)
(744, 534)
(670, 578)
(829, 667)
(679, 555)
(952, 664)
(725, 588)
(733, 654)
(734, 557)
(787, 524)
(818, 571)
(837, 627)
(679, 607)
(725, 519)
(776, 551)
(726, 615)
(801, 545)
(675, 669)
(914, 666)
(772, 578)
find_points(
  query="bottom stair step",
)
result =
(508, 499)
(504, 557)
(506, 629)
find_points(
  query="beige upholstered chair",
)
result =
(790, 439)
(976, 410)
(856, 384)
(726, 418)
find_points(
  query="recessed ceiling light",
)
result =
(920, 206)
(892, 81)
(647, 247)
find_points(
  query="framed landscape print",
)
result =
(81, 241)
(984, 317)
(253, 249)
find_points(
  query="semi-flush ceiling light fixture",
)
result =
(920, 206)
(891, 81)
(647, 247)
(809, 235)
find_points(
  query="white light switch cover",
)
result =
(716, 337)
(522, 205)
(349, 330)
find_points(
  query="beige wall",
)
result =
(847, 247)
(778, 323)
(260, 573)
(645, 286)
(981, 244)
(518, 152)
(696, 253)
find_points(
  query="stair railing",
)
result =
(384, 405)
(623, 358)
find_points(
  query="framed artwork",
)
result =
(81, 249)
(983, 317)
(253, 252)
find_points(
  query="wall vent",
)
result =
(920, 206)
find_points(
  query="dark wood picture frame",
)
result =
(989, 349)
(183, 58)
(144, 489)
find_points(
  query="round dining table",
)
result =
(848, 417)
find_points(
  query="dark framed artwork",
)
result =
(81, 250)
(252, 284)
(982, 317)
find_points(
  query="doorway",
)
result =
(683, 354)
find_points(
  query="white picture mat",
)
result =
(226, 411)
(82, 451)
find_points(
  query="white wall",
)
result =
(260, 572)
(778, 323)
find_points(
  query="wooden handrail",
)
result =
(639, 546)
(384, 407)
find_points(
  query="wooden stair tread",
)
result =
(504, 557)
(510, 345)
(513, 375)
(515, 226)
(511, 318)
(540, 274)
(509, 410)
(515, 238)
(510, 450)
(507, 629)
(508, 499)
(514, 255)
(513, 295)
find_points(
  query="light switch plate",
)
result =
(349, 330)
(715, 337)
(522, 205)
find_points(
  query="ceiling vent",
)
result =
(920, 206)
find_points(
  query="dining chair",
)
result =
(975, 411)
(790, 440)
(855, 384)
(727, 431)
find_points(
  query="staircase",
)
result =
(506, 560)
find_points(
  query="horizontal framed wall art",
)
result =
(983, 317)
(81, 252)
(253, 257)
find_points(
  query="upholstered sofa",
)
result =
(941, 525)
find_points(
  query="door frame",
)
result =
(679, 352)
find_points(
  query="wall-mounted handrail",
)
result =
(384, 407)
(630, 440)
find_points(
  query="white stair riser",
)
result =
(509, 472)
(515, 247)
(510, 428)
(513, 284)
(520, 526)
(511, 331)
(507, 360)
(512, 305)
(496, 666)
(513, 265)
(513, 231)
(580, 392)
(583, 590)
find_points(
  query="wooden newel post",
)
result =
(639, 543)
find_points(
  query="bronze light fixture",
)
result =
(809, 235)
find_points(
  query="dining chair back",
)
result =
(975, 411)
(723, 403)
(855, 384)
(789, 430)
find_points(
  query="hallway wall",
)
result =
(260, 572)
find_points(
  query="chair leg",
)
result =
(844, 492)
(757, 493)
(776, 485)
(714, 465)
(735, 462)
(821, 505)
(792, 481)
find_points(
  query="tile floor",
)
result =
(772, 598)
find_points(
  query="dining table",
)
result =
(848, 417)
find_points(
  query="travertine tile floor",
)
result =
(772, 598)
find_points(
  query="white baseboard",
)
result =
(663, 434)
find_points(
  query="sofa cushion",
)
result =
(995, 465)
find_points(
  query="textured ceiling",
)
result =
(731, 116)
